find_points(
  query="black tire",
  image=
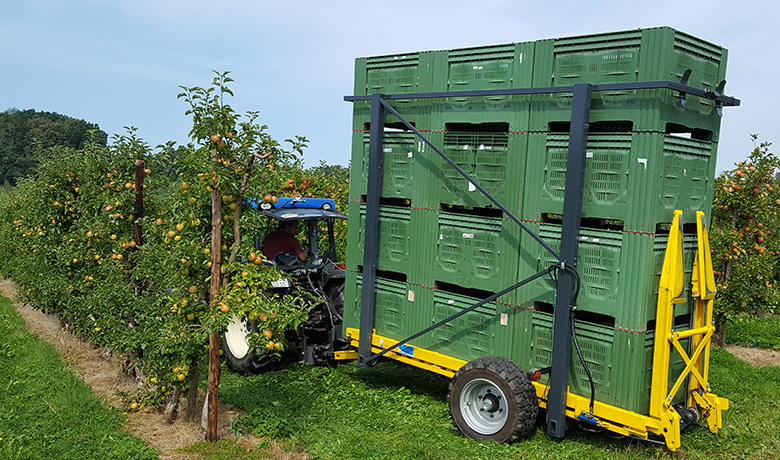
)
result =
(335, 293)
(240, 357)
(492, 398)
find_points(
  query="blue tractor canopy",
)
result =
(299, 208)
(309, 210)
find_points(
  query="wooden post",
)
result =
(216, 274)
(211, 432)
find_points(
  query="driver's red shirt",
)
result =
(279, 241)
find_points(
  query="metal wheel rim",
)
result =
(483, 406)
(235, 336)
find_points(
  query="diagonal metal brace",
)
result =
(462, 312)
(474, 182)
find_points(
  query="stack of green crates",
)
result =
(637, 179)
(631, 56)
(444, 246)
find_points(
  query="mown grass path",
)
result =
(46, 412)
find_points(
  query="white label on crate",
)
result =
(466, 147)
(477, 67)
(388, 150)
(468, 235)
(588, 154)
(504, 319)
(482, 146)
(450, 301)
(441, 236)
(520, 58)
(411, 296)
(596, 240)
(472, 187)
(410, 155)
(642, 161)
(685, 172)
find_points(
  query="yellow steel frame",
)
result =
(671, 291)
(422, 358)
(663, 419)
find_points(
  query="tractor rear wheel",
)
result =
(492, 398)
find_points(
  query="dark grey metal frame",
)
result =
(572, 214)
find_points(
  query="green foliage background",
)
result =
(23, 133)
(66, 236)
(744, 234)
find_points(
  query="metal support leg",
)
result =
(570, 232)
(371, 249)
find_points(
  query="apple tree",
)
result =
(744, 234)
(221, 169)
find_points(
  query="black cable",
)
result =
(584, 365)
(576, 275)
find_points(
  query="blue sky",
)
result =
(120, 63)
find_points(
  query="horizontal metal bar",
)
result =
(690, 333)
(661, 84)
(462, 312)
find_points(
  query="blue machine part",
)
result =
(296, 208)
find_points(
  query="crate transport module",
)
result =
(557, 265)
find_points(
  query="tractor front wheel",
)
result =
(240, 356)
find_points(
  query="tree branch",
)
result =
(263, 156)
(239, 206)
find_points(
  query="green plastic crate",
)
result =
(652, 54)
(352, 295)
(488, 330)
(620, 362)
(394, 236)
(637, 178)
(415, 111)
(404, 309)
(395, 74)
(402, 176)
(396, 314)
(495, 160)
(483, 68)
(406, 238)
(619, 274)
(475, 252)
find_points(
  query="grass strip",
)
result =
(46, 412)
(755, 331)
(396, 412)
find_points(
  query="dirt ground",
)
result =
(103, 372)
(755, 356)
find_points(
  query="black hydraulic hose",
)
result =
(574, 335)
(584, 365)
(331, 311)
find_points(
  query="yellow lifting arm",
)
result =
(671, 291)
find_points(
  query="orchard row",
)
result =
(744, 236)
(119, 240)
